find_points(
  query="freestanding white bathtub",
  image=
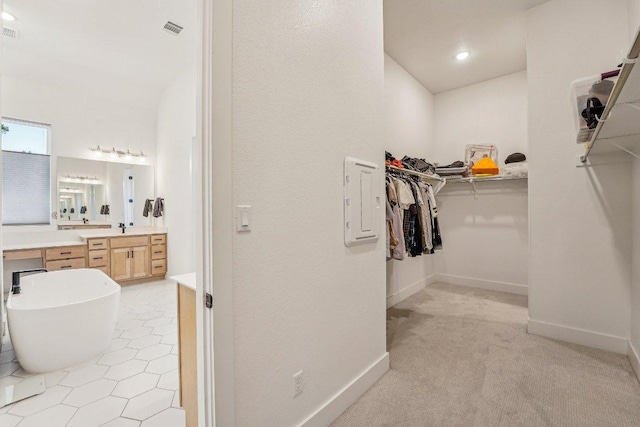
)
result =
(62, 318)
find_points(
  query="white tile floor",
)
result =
(134, 383)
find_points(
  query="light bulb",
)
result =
(141, 158)
(6, 16)
(462, 55)
(114, 154)
(128, 156)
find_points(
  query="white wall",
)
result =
(580, 218)
(485, 237)
(634, 22)
(491, 112)
(308, 90)
(176, 130)
(408, 131)
(78, 120)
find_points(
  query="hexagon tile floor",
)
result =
(134, 383)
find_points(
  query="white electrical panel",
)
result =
(362, 201)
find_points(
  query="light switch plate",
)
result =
(243, 218)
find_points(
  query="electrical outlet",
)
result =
(299, 381)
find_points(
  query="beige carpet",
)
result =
(461, 357)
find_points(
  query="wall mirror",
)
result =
(94, 193)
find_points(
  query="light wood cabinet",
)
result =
(130, 263)
(158, 254)
(187, 354)
(65, 258)
(123, 258)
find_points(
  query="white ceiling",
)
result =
(114, 48)
(425, 35)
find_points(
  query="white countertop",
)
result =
(117, 232)
(188, 280)
(80, 222)
(38, 245)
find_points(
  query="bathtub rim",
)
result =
(116, 289)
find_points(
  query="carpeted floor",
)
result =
(461, 357)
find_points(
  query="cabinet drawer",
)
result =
(98, 258)
(26, 254)
(129, 242)
(97, 244)
(158, 266)
(158, 239)
(65, 253)
(158, 252)
(66, 264)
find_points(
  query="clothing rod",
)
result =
(420, 174)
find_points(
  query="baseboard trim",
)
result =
(632, 354)
(490, 285)
(578, 336)
(410, 290)
(346, 397)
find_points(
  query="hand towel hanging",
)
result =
(158, 208)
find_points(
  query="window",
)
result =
(26, 173)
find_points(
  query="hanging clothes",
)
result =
(397, 252)
(411, 217)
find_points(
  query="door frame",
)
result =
(213, 177)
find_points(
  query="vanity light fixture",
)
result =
(115, 154)
(81, 179)
(462, 55)
(6, 16)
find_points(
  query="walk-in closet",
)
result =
(493, 267)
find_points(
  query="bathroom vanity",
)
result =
(139, 254)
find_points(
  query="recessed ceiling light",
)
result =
(6, 16)
(462, 56)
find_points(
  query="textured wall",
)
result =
(408, 131)
(580, 218)
(308, 91)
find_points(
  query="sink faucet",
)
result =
(85, 221)
(15, 285)
(121, 225)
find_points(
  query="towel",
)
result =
(158, 208)
(83, 210)
(72, 210)
(148, 207)
(107, 210)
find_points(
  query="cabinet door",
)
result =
(141, 262)
(121, 264)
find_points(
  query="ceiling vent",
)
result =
(172, 28)
(10, 32)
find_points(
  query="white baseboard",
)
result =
(490, 285)
(346, 397)
(632, 354)
(578, 336)
(409, 290)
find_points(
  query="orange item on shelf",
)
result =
(485, 166)
(397, 163)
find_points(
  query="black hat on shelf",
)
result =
(515, 158)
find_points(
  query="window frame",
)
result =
(52, 225)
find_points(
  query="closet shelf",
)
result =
(620, 130)
(440, 182)
(472, 179)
